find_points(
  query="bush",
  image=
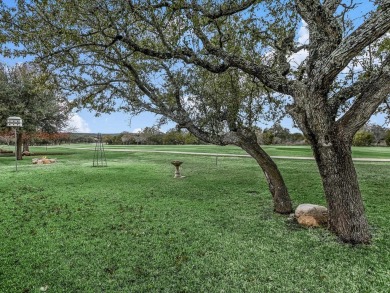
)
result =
(387, 137)
(268, 137)
(363, 138)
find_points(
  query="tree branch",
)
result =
(319, 20)
(372, 29)
(220, 11)
(325, 31)
(375, 93)
(331, 5)
(174, 82)
(185, 54)
(264, 73)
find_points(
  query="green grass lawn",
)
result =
(273, 150)
(132, 227)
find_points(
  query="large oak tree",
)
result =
(101, 74)
(327, 101)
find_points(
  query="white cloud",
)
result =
(137, 130)
(78, 124)
(297, 58)
(303, 34)
(303, 39)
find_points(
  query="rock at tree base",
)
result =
(311, 215)
(43, 161)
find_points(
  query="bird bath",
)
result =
(177, 166)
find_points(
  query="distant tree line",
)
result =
(153, 136)
(7, 137)
(277, 134)
(369, 135)
(372, 134)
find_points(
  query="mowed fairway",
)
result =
(132, 227)
(273, 150)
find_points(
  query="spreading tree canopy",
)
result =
(332, 82)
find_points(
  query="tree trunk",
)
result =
(19, 146)
(247, 140)
(26, 146)
(345, 205)
(281, 199)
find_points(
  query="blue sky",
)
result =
(86, 121)
(114, 123)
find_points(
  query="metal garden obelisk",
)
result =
(99, 158)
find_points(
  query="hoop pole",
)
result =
(16, 151)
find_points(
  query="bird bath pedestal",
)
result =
(177, 166)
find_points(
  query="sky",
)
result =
(86, 121)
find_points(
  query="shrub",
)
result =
(387, 137)
(363, 138)
(267, 137)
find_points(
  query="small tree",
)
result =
(280, 132)
(377, 131)
(267, 137)
(189, 138)
(127, 138)
(107, 139)
(387, 137)
(7, 136)
(150, 136)
(173, 137)
(297, 138)
(363, 138)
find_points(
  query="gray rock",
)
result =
(311, 215)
